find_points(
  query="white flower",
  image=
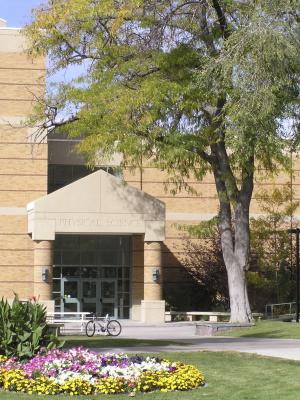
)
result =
(67, 375)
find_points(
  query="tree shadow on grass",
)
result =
(272, 334)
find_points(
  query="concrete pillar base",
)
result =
(153, 311)
(49, 304)
(136, 312)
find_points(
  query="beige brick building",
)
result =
(84, 241)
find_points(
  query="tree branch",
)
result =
(222, 19)
(206, 36)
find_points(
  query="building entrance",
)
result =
(96, 296)
(92, 274)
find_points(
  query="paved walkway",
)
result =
(186, 340)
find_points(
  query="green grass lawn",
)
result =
(108, 341)
(230, 376)
(268, 329)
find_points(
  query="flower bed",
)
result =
(80, 371)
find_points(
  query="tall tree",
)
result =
(194, 86)
(270, 276)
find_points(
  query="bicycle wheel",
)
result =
(114, 328)
(90, 328)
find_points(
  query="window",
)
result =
(62, 175)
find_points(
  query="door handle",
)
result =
(100, 299)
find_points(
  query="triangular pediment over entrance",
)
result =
(97, 204)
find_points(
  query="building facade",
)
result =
(76, 240)
(82, 240)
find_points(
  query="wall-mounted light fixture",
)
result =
(155, 274)
(45, 274)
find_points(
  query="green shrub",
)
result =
(23, 329)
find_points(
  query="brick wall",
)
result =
(23, 166)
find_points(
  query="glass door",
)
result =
(70, 294)
(109, 297)
(92, 273)
(90, 296)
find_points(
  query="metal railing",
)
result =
(68, 317)
(277, 309)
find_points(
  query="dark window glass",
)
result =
(120, 272)
(127, 286)
(89, 307)
(79, 171)
(57, 300)
(56, 285)
(70, 258)
(125, 242)
(126, 299)
(90, 242)
(71, 272)
(89, 272)
(126, 272)
(108, 308)
(71, 289)
(56, 272)
(127, 259)
(110, 242)
(89, 258)
(68, 242)
(89, 289)
(62, 175)
(110, 258)
(120, 286)
(109, 273)
(57, 258)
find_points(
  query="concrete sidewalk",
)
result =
(183, 333)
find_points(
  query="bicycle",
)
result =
(103, 325)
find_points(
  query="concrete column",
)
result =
(137, 276)
(152, 261)
(43, 262)
(153, 307)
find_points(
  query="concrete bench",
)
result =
(213, 328)
(54, 328)
(213, 316)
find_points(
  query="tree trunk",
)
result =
(239, 304)
(235, 241)
(236, 259)
(236, 274)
